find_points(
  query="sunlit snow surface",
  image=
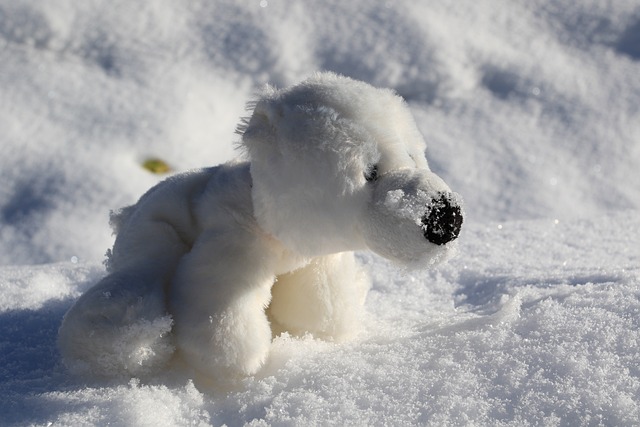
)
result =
(534, 322)
(531, 111)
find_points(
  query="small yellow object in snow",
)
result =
(155, 165)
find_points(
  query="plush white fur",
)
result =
(207, 265)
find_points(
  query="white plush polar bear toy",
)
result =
(207, 262)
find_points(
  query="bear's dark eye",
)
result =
(371, 174)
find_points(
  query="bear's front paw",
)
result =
(225, 346)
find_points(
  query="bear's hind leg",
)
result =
(117, 330)
(121, 326)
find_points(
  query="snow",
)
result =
(531, 111)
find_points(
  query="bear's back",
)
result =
(184, 206)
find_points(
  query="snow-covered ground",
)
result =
(531, 110)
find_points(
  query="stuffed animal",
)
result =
(207, 264)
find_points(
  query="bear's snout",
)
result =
(442, 223)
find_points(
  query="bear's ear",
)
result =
(265, 117)
(270, 111)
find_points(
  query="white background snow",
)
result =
(530, 108)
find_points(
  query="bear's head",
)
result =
(340, 165)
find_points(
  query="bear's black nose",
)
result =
(443, 221)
